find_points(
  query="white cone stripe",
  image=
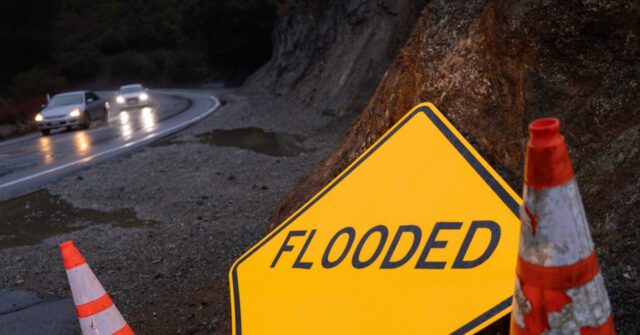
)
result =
(106, 322)
(521, 305)
(562, 234)
(590, 303)
(85, 287)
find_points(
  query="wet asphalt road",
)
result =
(30, 161)
(26, 313)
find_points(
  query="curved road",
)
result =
(28, 162)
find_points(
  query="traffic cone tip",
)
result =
(545, 132)
(67, 244)
(547, 160)
(71, 256)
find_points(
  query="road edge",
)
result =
(113, 152)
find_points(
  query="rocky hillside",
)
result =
(330, 54)
(491, 67)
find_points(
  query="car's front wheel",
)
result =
(86, 123)
(45, 132)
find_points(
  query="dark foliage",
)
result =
(26, 36)
(234, 35)
(22, 112)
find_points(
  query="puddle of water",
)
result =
(33, 217)
(255, 139)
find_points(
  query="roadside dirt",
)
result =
(13, 130)
(194, 203)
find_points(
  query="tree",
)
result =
(26, 36)
(234, 35)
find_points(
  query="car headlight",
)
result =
(74, 113)
(39, 117)
(120, 99)
(144, 97)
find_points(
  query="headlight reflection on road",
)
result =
(45, 149)
(82, 143)
(125, 125)
(148, 119)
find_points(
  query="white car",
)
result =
(132, 96)
(67, 110)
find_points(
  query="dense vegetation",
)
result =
(52, 45)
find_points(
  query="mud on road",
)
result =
(161, 226)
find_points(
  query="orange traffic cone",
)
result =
(96, 312)
(559, 288)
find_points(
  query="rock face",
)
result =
(330, 54)
(494, 66)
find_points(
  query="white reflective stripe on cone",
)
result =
(106, 322)
(85, 287)
(591, 301)
(589, 307)
(521, 306)
(562, 233)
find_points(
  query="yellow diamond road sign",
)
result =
(418, 236)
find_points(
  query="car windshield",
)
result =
(64, 100)
(131, 89)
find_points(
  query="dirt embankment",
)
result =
(13, 130)
(492, 67)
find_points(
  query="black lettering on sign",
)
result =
(351, 235)
(285, 246)
(432, 243)
(393, 258)
(387, 263)
(494, 229)
(357, 263)
(299, 264)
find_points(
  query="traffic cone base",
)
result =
(109, 321)
(96, 312)
(574, 311)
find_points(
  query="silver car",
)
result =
(132, 96)
(67, 110)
